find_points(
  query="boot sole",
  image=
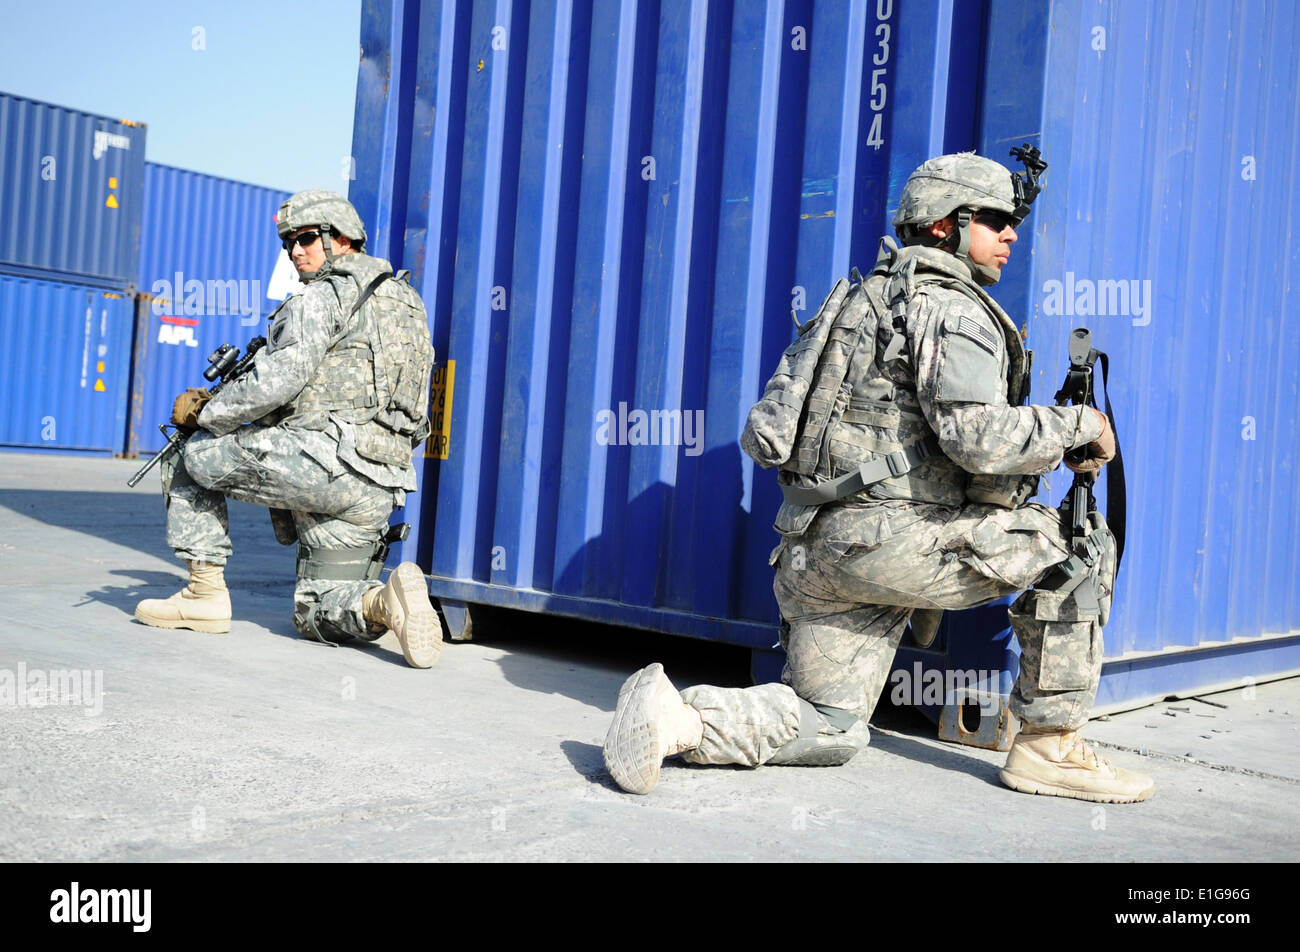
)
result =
(421, 632)
(632, 744)
(1025, 784)
(210, 627)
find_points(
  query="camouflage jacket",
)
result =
(958, 380)
(303, 330)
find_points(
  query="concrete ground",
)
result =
(257, 745)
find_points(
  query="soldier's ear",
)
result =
(943, 227)
(342, 244)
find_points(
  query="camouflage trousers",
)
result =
(849, 584)
(282, 468)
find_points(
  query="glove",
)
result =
(188, 406)
(1099, 452)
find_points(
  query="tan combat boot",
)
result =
(203, 605)
(403, 607)
(651, 722)
(1061, 764)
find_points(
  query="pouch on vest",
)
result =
(1006, 491)
(774, 422)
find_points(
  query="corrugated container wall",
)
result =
(612, 209)
(65, 353)
(1169, 229)
(208, 250)
(71, 193)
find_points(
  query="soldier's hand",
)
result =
(188, 406)
(1103, 447)
(1099, 452)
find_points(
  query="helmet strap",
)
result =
(325, 243)
(959, 240)
(959, 245)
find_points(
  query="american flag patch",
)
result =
(969, 327)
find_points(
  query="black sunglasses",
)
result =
(306, 239)
(996, 220)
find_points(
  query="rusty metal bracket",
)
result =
(996, 730)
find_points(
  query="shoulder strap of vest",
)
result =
(365, 295)
(346, 328)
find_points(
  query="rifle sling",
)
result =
(1116, 492)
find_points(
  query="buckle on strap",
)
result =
(898, 463)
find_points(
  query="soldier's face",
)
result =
(991, 245)
(308, 254)
(990, 240)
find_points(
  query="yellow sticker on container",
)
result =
(438, 445)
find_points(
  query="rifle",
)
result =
(224, 362)
(1079, 500)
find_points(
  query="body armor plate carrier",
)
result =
(376, 374)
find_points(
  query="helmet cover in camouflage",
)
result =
(948, 182)
(318, 206)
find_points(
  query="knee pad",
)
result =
(351, 564)
(828, 737)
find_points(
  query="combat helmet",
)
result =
(962, 184)
(318, 207)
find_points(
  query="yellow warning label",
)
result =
(112, 182)
(438, 445)
(99, 386)
(100, 366)
(112, 201)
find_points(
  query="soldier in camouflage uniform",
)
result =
(946, 528)
(321, 431)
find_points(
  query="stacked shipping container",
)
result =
(117, 278)
(70, 205)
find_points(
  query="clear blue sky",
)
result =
(230, 87)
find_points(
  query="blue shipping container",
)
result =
(71, 191)
(208, 249)
(631, 212)
(611, 210)
(1156, 232)
(65, 352)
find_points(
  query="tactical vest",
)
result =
(376, 373)
(884, 413)
(862, 428)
